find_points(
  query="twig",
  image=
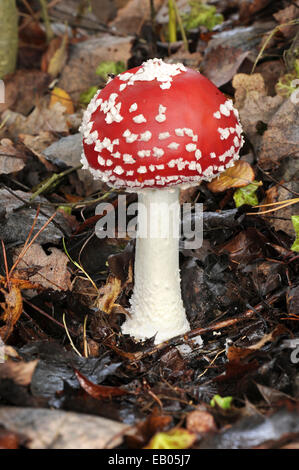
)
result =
(281, 205)
(271, 34)
(181, 26)
(5, 265)
(69, 336)
(85, 345)
(53, 180)
(200, 331)
(277, 182)
(27, 203)
(28, 7)
(42, 312)
(45, 15)
(171, 21)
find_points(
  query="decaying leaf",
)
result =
(155, 422)
(19, 371)
(12, 310)
(50, 270)
(241, 174)
(55, 57)
(41, 119)
(237, 354)
(23, 89)
(108, 294)
(280, 140)
(11, 159)
(98, 391)
(254, 106)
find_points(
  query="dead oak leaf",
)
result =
(41, 119)
(12, 310)
(241, 174)
(109, 293)
(254, 105)
(52, 269)
(11, 159)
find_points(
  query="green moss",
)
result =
(87, 95)
(201, 15)
(109, 67)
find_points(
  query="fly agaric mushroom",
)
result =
(154, 129)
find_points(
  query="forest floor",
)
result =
(68, 377)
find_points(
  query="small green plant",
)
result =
(109, 67)
(222, 402)
(87, 95)
(295, 221)
(287, 84)
(247, 194)
(201, 15)
(103, 70)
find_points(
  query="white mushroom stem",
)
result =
(156, 304)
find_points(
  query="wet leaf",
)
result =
(247, 194)
(235, 177)
(52, 271)
(98, 391)
(177, 438)
(155, 423)
(222, 402)
(246, 246)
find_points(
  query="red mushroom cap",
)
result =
(159, 125)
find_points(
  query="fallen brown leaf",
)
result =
(98, 391)
(55, 57)
(108, 294)
(12, 310)
(200, 421)
(52, 269)
(20, 372)
(11, 159)
(241, 174)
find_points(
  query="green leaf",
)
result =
(177, 438)
(108, 66)
(247, 194)
(201, 15)
(295, 221)
(87, 95)
(222, 402)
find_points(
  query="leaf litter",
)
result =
(64, 293)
